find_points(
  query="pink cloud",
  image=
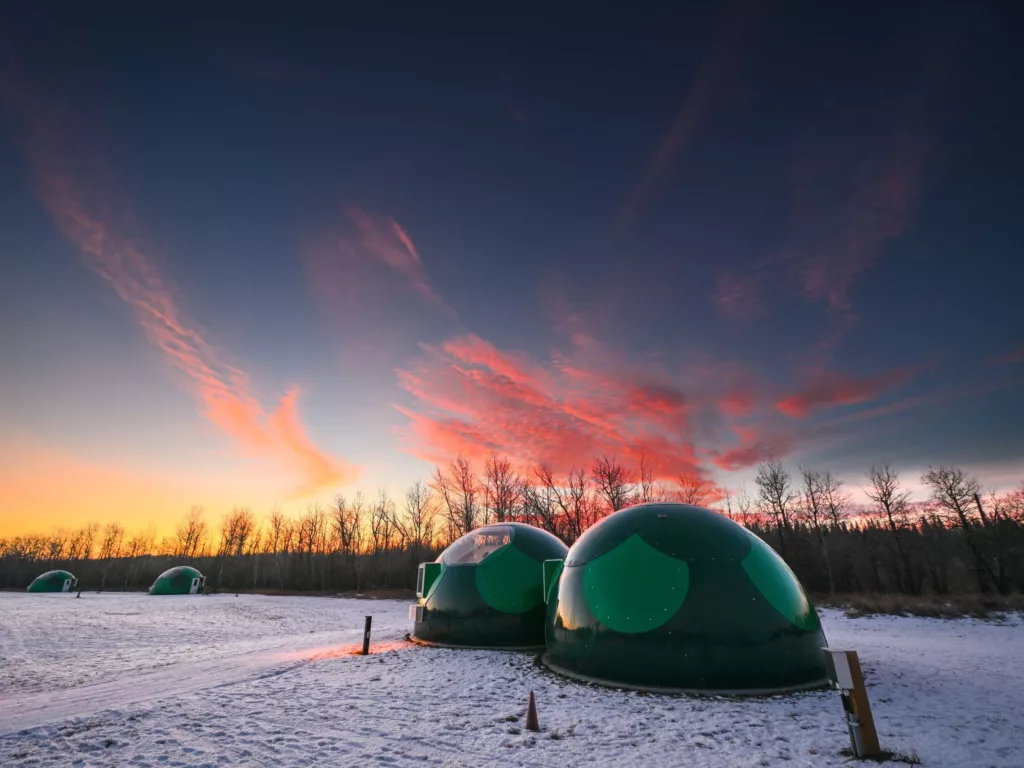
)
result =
(383, 239)
(739, 403)
(753, 449)
(878, 212)
(918, 401)
(81, 211)
(826, 390)
(473, 399)
(877, 182)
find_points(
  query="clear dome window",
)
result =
(476, 545)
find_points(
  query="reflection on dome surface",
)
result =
(677, 597)
(486, 589)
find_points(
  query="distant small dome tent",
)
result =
(182, 580)
(677, 598)
(486, 589)
(53, 581)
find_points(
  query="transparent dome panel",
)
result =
(476, 545)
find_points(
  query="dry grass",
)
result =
(932, 606)
(382, 593)
(887, 756)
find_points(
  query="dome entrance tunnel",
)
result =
(677, 598)
(486, 589)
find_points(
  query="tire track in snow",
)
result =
(24, 711)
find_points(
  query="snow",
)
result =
(131, 679)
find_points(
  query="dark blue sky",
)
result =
(234, 240)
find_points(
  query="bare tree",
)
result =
(253, 550)
(81, 542)
(1010, 507)
(837, 501)
(382, 523)
(891, 502)
(190, 534)
(647, 490)
(110, 548)
(814, 512)
(503, 487)
(348, 521)
(460, 492)
(575, 503)
(55, 546)
(418, 523)
(540, 506)
(614, 482)
(236, 529)
(694, 489)
(140, 549)
(775, 490)
(278, 540)
(311, 538)
(744, 506)
(954, 492)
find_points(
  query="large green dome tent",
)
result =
(486, 589)
(677, 598)
(182, 580)
(53, 581)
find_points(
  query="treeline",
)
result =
(952, 542)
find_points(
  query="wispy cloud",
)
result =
(854, 193)
(827, 390)
(832, 248)
(714, 75)
(915, 402)
(381, 238)
(84, 212)
(474, 399)
(754, 447)
(738, 296)
(1014, 356)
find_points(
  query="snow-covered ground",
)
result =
(131, 679)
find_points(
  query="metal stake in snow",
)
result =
(366, 635)
(850, 681)
(531, 715)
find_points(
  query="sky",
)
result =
(251, 256)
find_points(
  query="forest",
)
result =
(957, 541)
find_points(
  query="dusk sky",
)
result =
(262, 257)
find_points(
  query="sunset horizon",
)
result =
(511, 384)
(261, 268)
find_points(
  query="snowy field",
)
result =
(136, 680)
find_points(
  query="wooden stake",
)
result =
(862, 709)
(531, 715)
(366, 636)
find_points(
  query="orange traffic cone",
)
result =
(531, 715)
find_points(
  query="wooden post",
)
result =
(366, 636)
(862, 709)
(532, 724)
(849, 679)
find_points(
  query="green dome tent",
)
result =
(486, 589)
(673, 597)
(53, 581)
(182, 580)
